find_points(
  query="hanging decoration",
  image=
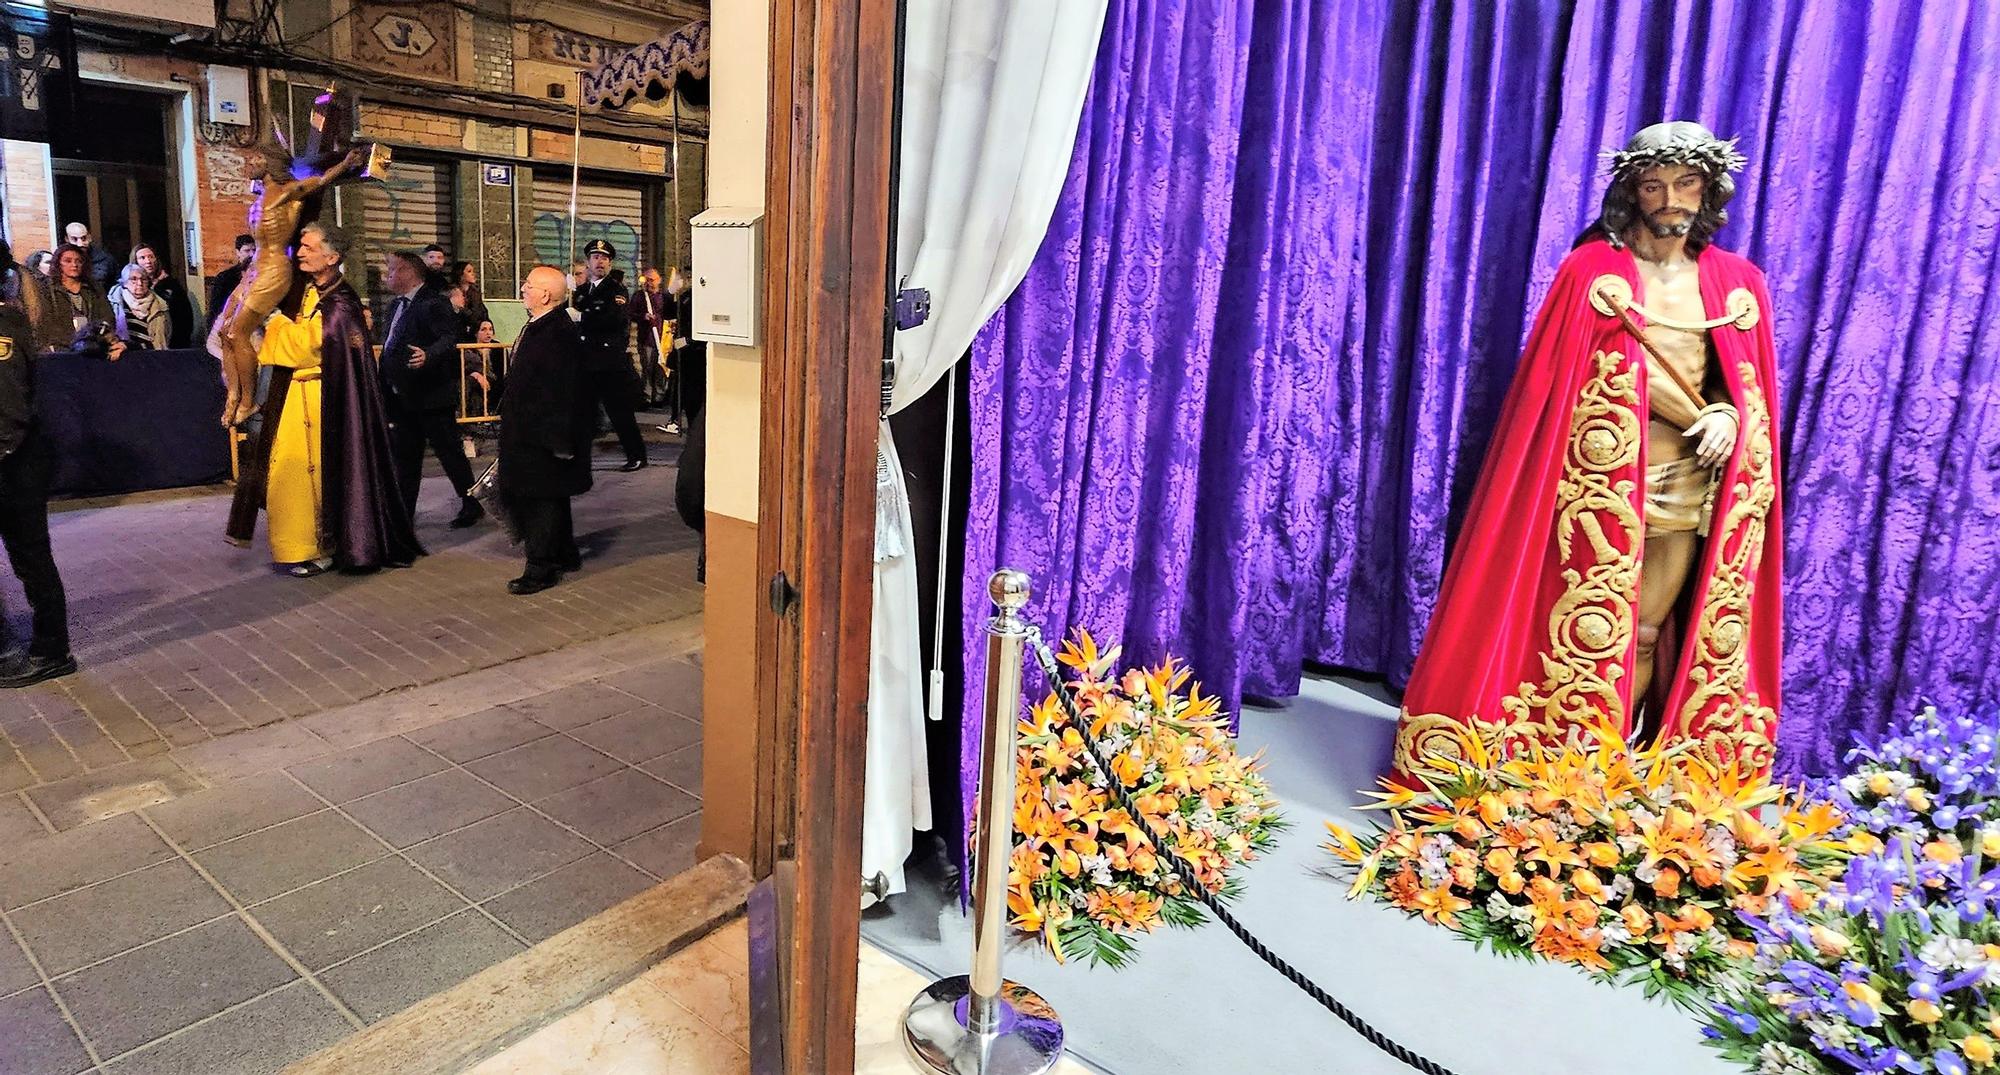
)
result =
(654, 71)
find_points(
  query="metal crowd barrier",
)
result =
(981, 1023)
(469, 393)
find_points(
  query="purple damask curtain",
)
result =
(1236, 406)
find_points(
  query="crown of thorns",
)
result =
(1713, 156)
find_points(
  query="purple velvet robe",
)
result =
(362, 510)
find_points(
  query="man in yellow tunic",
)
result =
(326, 477)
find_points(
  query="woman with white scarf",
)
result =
(143, 320)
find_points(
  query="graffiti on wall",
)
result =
(226, 165)
(552, 241)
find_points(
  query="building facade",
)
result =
(478, 101)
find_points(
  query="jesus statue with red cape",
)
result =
(1620, 563)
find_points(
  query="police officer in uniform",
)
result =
(25, 466)
(608, 376)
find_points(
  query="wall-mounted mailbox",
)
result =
(728, 275)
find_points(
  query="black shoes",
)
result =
(528, 584)
(632, 465)
(469, 511)
(23, 670)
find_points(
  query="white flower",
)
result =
(1613, 930)
(1853, 784)
(1620, 887)
(1498, 908)
(1950, 953)
(1778, 1058)
(1647, 872)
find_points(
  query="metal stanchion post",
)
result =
(982, 1024)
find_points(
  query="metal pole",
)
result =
(575, 167)
(980, 1023)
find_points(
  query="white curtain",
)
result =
(992, 93)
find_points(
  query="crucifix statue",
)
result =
(286, 196)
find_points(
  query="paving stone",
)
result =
(17, 822)
(500, 852)
(100, 921)
(667, 850)
(480, 734)
(37, 1040)
(43, 868)
(682, 769)
(541, 909)
(16, 973)
(148, 992)
(641, 735)
(327, 922)
(218, 814)
(14, 773)
(368, 768)
(673, 683)
(260, 750)
(279, 859)
(259, 1038)
(544, 767)
(618, 807)
(397, 975)
(576, 705)
(113, 790)
(428, 807)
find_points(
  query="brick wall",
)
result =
(403, 126)
(598, 152)
(493, 46)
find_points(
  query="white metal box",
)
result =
(228, 95)
(728, 275)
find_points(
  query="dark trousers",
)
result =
(547, 533)
(409, 431)
(613, 387)
(24, 528)
(657, 382)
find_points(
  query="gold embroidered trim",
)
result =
(1611, 293)
(1737, 727)
(1590, 627)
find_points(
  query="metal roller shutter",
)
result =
(411, 209)
(408, 211)
(614, 212)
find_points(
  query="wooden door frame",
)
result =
(828, 179)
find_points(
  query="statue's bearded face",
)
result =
(1669, 196)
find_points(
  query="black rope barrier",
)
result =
(1047, 660)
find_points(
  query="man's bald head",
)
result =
(545, 289)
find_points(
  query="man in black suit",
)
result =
(545, 426)
(226, 280)
(420, 371)
(608, 375)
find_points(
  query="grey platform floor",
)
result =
(1199, 1002)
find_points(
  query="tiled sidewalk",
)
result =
(184, 639)
(328, 883)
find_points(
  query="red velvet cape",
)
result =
(1534, 633)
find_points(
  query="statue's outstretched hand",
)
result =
(1714, 435)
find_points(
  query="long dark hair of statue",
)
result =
(1621, 212)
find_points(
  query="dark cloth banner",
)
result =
(146, 421)
(1235, 409)
(37, 75)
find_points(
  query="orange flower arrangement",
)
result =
(1623, 861)
(1086, 874)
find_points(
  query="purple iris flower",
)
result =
(1743, 1021)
